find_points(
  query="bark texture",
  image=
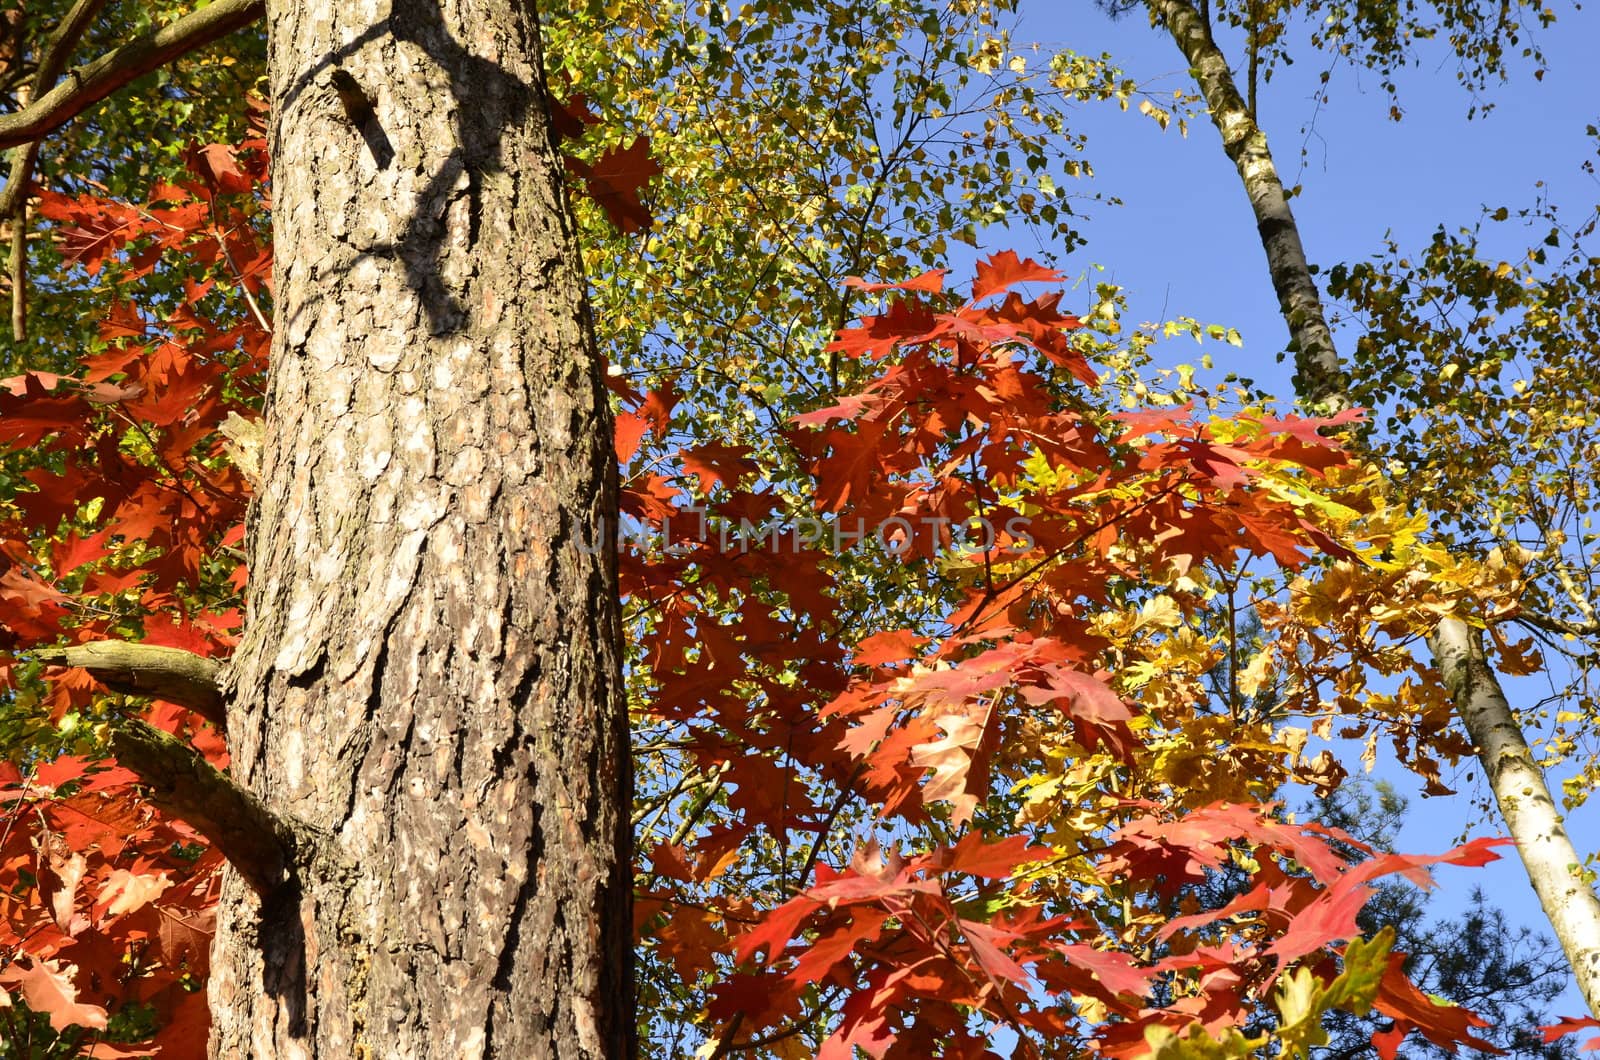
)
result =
(1320, 381)
(1524, 800)
(429, 678)
(1319, 378)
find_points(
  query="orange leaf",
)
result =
(1004, 270)
(931, 281)
(126, 891)
(48, 989)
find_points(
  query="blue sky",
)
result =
(1185, 237)
(1185, 242)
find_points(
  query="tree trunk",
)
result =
(1318, 374)
(1524, 800)
(1518, 784)
(429, 684)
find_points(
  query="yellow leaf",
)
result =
(1254, 677)
(1162, 612)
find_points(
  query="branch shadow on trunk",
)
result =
(487, 98)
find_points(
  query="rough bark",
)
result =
(430, 671)
(1519, 785)
(1524, 800)
(1319, 378)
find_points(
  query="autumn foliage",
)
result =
(123, 519)
(941, 755)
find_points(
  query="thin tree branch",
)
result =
(1557, 625)
(14, 199)
(172, 674)
(88, 84)
(257, 843)
(698, 810)
(1519, 786)
(19, 257)
(846, 790)
(51, 61)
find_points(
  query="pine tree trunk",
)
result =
(429, 681)
(1519, 786)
